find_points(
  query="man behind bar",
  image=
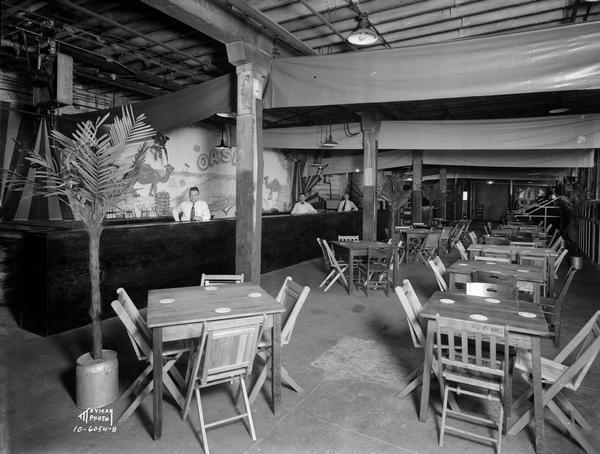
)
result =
(303, 207)
(193, 209)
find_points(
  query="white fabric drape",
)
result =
(556, 59)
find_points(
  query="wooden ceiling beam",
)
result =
(117, 82)
(281, 33)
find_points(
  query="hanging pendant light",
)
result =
(363, 35)
(222, 145)
(329, 143)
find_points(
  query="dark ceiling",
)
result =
(145, 48)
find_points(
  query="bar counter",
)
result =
(52, 269)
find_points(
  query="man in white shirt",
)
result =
(303, 207)
(346, 204)
(193, 209)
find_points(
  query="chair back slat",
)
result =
(461, 250)
(292, 296)
(133, 312)
(141, 343)
(439, 274)
(412, 310)
(324, 251)
(228, 348)
(216, 279)
(473, 237)
(477, 349)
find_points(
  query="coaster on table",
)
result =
(167, 300)
(492, 300)
(478, 317)
(527, 314)
(490, 263)
(447, 301)
(254, 295)
(523, 271)
(222, 310)
(462, 264)
(211, 287)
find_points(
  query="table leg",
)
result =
(538, 405)
(451, 282)
(427, 371)
(550, 273)
(158, 384)
(276, 363)
(396, 265)
(350, 271)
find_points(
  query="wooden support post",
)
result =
(252, 66)
(597, 169)
(370, 129)
(443, 192)
(417, 193)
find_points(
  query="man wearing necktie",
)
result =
(346, 204)
(193, 209)
(303, 207)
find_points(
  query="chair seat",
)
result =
(374, 267)
(486, 382)
(551, 370)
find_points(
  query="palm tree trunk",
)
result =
(96, 306)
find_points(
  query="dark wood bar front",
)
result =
(53, 278)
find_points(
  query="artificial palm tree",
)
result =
(93, 171)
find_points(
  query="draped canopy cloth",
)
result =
(542, 133)
(557, 59)
(177, 109)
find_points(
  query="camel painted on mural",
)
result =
(273, 186)
(151, 176)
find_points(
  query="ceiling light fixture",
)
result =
(329, 143)
(363, 35)
(222, 145)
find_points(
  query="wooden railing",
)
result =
(584, 230)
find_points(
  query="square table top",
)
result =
(538, 251)
(358, 245)
(526, 273)
(198, 304)
(504, 312)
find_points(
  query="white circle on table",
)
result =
(447, 301)
(492, 300)
(490, 263)
(167, 300)
(463, 264)
(527, 314)
(254, 295)
(211, 287)
(222, 310)
(523, 271)
(479, 317)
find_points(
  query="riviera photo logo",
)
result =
(95, 420)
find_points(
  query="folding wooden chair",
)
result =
(559, 261)
(531, 244)
(376, 273)
(548, 228)
(141, 340)
(552, 307)
(216, 279)
(506, 284)
(558, 245)
(429, 246)
(464, 370)
(540, 261)
(439, 273)
(225, 354)
(550, 242)
(473, 237)
(292, 296)
(337, 268)
(565, 372)
(444, 245)
(461, 250)
(485, 258)
(497, 240)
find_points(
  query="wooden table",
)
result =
(407, 236)
(537, 241)
(481, 249)
(184, 318)
(461, 271)
(352, 249)
(524, 333)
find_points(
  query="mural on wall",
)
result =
(528, 195)
(190, 159)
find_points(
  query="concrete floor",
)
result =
(350, 353)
